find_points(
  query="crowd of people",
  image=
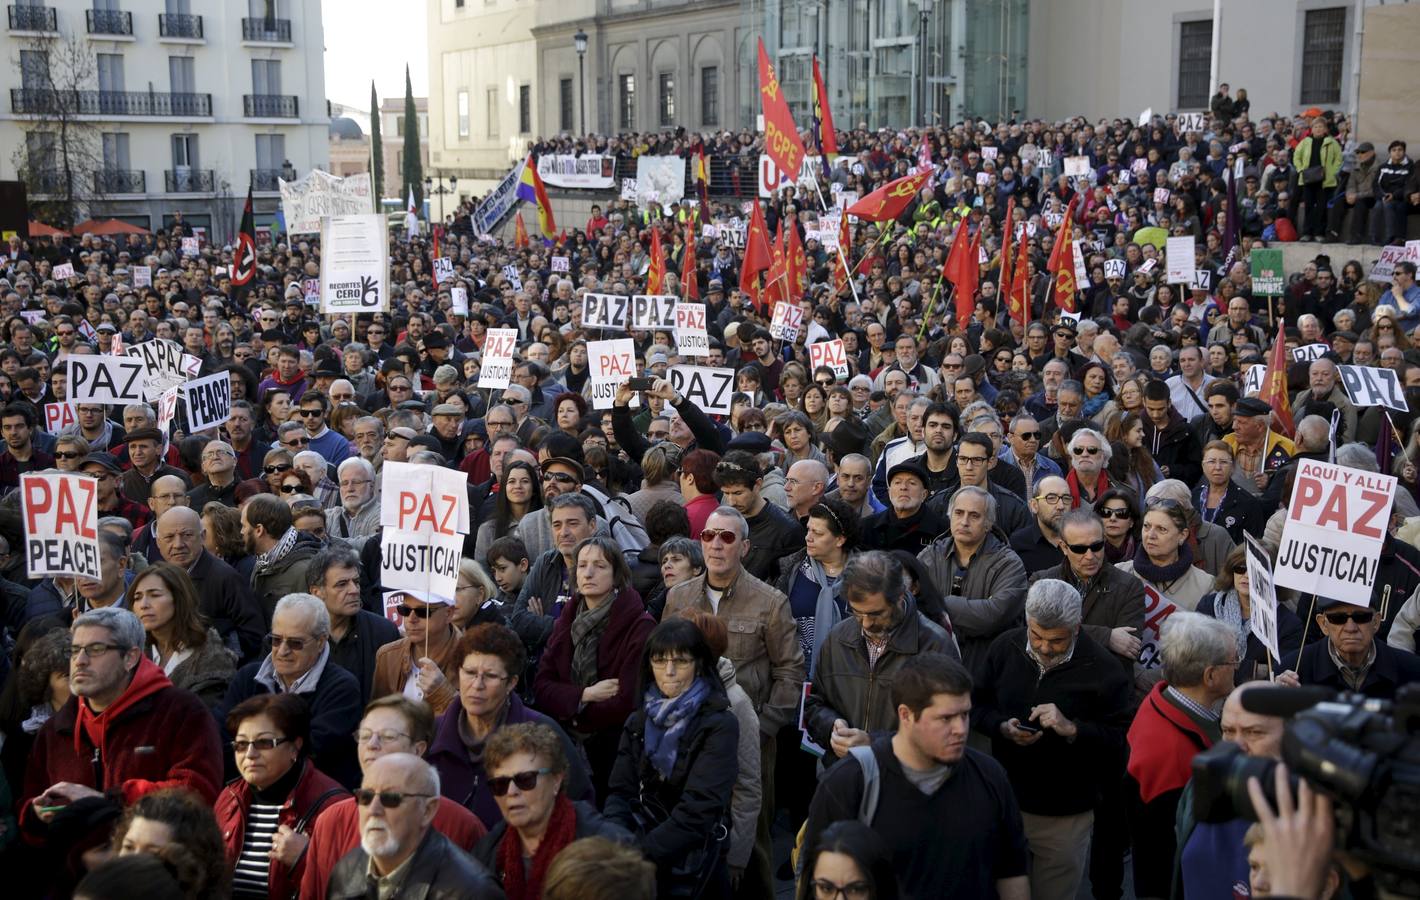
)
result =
(897, 614)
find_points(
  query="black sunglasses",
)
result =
(1116, 514)
(272, 470)
(419, 612)
(290, 488)
(525, 781)
(1360, 617)
(1082, 549)
(513, 401)
(310, 412)
(388, 799)
(559, 477)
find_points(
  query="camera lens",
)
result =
(1220, 777)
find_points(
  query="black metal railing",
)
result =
(270, 106)
(33, 18)
(109, 21)
(38, 101)
(267, 179)
(179, 25)
(46, 182)
(271, 31)
(120, 181)
(189, 181)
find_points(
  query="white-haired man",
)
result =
(358, 515)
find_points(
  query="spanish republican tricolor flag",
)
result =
(824, 135)
(531, 189)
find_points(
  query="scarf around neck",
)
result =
(1163, 575)
(668, 719)
(519, 884)
(265, 561)
(587, 629)
(1101, 485)
(1227, 608)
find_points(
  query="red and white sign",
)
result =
(59, 415)
(1157, 608)
(497, 368)
(610, 363)
(772, 179)
(691, 337)
(61, 516)
(424, 498)
(787, 322)
(829, 353)
(63, 271)
(1336, 524)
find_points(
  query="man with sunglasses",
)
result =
(1038, 543)
(1023, 450)
(332, 445)
(1351, 658)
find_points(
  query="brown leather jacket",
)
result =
(394, 662)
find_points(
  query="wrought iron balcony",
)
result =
(189, 181)
(267, 31)
(179, 25)
(33, 18)
(270, 106)
(268, 179)
(40, 102)
(109, 21)
(120, 181)
(47, 182)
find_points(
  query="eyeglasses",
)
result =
(310, 412)
(1029, 435)
(658, 435)
(418, 612)
(513, 401)
(272, 470)
(1360, 617)
(973, 460)
(1053, 499)
(525, 781)
(295, 645)
(724, 536)
(489, 677)
(388, 736)
(492, 424)
(67, 454)
(92, 651)
(559, 477)
(388, 799)
(398, 388)
(661, 660)
(1081, 451)
(262, 745)
(827, 890)
(1082, 549)
(1116, 513)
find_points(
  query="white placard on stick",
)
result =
(142, 276)
(422, 498)
(59, 415)
(691, 336)
(1179, 263)
(1254, 379)
(63, 271)
(61, 516)
(164, 365)
(787, 321)
(609, 363)
(105, 379)
(1077, 166)
(653, 312)
(1336, 523)
(209, 401)
(708, 388)
(497, 368)
(424, 565)
(831, 354)
(1192, 121)
(1371, 386)
(458, 298)
(605, 311)
(167, 408)
(189, 246)
(1262, 620)
(1157, 608)
(443, 269)
(354, 264)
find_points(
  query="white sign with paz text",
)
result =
(831, 354)
(1371, 386)
(61, 516)
(497, 368)
(707, 388)
(1335, 526)
(691, 337)
(610, 364)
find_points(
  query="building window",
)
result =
(463, 114)
(710, 95)
(399, 126)
(665, 98)
(628, 102)
(1323, 46)
(565, 104)
(524, 109)
(490, 103)
(1195, 57)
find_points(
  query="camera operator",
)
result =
(1214, 859)
(1290, 851)
(1351, 659)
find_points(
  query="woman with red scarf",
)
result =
(527, 768)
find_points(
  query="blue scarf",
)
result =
(667, 720)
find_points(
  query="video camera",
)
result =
(1361, 752)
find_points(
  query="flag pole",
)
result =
(841, 257)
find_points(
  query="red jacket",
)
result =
(1162, 743)
(337, 832)
(153, 736)
(314, 792)
(618, 656)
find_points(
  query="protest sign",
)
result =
(142, 276)
(423, 498)
(691, 337)
(209, 401)
(567, 171)
(1157, 608)
(443, 269)
(659, 180)
(421, 564)
(63, 271)
(458, 298)
(61, 514)
(772, 179)
(88, 331)
(189, 246)
(1203, 280)
(560, 264)
(1115, 268)
(831, 354)
(1369, 386)
(32, 316)
(1179, 260)
(310, 291)
(1309, 353)
(652, 312)
(983, 179)
(60, 415)
(1254, 379)
(105, 379)
(499, 201)
(610, 363)
(1267, 275)
(1262, 597)
(1335, 526)
(167, 408)
(709, 389)
(354, 264)
(1077, 166)
(510, 272)
(604, 311)
(1384, 266)
(305, 201)
(163, 365)
(628, 189)
(1161, 196)
(497, 368)
(1146, 117)
(989, 152)
(1192, 121)
(788, 319)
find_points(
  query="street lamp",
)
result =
(430, 190)
(579, 40)
(924, 7)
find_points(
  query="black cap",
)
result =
(1345, 334)
(913, 467)
(435, 340)
(1251, 406)
(328, 366)
(102, 459)
(1326, 604)
(752, 441)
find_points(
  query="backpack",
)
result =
(867, 803)
(630, 535)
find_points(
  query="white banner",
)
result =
(443, 269)
(165, 365)
(62, 272)
(1192, 121)
(142, 276)
(497, 368)
(652, 312)
(167, 409)
(1157, 608)
(423, 498)
(458, 297)
(691, 336)
(577, 171)
(610, 363)
(604, 311)
(788, 320)
(1254, 379)
(354, 264)
(1179, 264)
(1384, 266)
(1370, 386)
(1077, 166)
(829, 353)
(499, 201)
(772, 179)
(1262, 597)
(306, 201)
(659, 179)
(209, 401)
(61, 515)
(105, 379)
(1336, 524)
(422, 564)
(709, 389)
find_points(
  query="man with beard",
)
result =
(908, 523)
(1038, 544)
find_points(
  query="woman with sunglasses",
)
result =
(675, 772)
(1231, 603)
(1164, 560)
(1119, 509)
(520, 493)
(274, 466)
(527, 770)
(265, 815)
(294, 486)
(424, 664)
(586, 679)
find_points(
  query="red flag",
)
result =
(656, 274)
(823, 118)
(758, 256)
(796, 263)
(1003, 279)
(781, 137)
(962, 269)
(1019, 289)
(775, 281)
(1062, 262)
(690, 283)
(1274, 389)
(888, 201)
(520, 232)
(845, 244)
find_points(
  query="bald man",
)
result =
(223, 597)
(219, 467)
(168, 491)
(804, 486)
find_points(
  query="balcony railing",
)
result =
(189, 181)
(267, 179)
(33, 18)
(270, 106)
(47, 182)
(269, 31)
(38, 101)
(109, 21)
(179, 25)
(120, 181)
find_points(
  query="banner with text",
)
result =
(1335, 526)
(61, 515)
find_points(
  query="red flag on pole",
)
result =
(520, 232)
(702, 183)
(888, 201)
(656, 274)
(758, 256)
(781, 137)
(1019, 289)
(776, 280)
(962, 269)
(796, 263)
(690, 283)
(1062, 261)
(823, 118)
(845, 244)
(1274, 389)
(1003, 279)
